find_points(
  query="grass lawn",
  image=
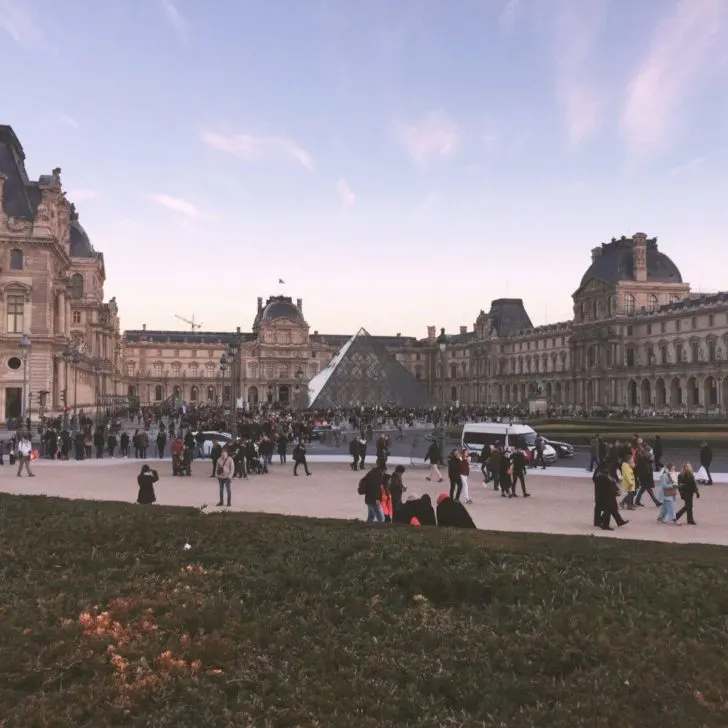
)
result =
(276, 621)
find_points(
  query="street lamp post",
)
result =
(76, 361)
(223, 367)
(232, 355)
(24, 344)
(97, 374)
(270, 395)
(67, 357)
(442, 346)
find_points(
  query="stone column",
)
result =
(61, 314)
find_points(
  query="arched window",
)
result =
(76, 286)
(652, 303)
(16, 259)
(629, 303)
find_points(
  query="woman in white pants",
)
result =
(464, 473)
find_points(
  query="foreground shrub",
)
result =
(271, 621)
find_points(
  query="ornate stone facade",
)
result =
(639, 339)
(51, 290)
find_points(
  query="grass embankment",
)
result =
(273, 621)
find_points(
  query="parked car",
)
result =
(562, 449)
(319, 431)
(208, 437)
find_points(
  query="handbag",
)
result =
(670, 492)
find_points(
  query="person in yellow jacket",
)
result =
(628, 484)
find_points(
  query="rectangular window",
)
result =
(130, 368)
(76, 317)
(677, 325)
(175, 370)
(16, 311)
(158, 368)
(649, 329)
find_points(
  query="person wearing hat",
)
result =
(397, 488)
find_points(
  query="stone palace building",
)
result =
(638, 338)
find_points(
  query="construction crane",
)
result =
(191, 321)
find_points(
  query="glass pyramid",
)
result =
(364, 372)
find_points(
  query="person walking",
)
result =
(518, 469)
(434, 456)
(668, 491)
(657, 453)
(688, 488)
(539, 453)
(605, 499)
(628, 484)
(593, 453)
(299, 458)
(224, 469)
(454, 466)
(464, 474)
(706, 459)
(25, 453)
(645, 477)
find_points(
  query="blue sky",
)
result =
(398, 164)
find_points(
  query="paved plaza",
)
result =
(558, 504)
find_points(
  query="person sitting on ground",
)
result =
(416, 508)
(146, 480)
(452, 513)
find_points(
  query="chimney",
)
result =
(3, 180)
(431, 336)
(144, 327)
(463, 329)
(596, 253)
(299, 304)
(237, 329)
(260, 305)
(639, 256)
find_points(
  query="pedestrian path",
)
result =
(418, 464)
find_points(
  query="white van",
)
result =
(477, 435)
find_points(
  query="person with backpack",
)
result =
(370, 486)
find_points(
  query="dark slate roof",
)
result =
(21, 196)
(693, 301)
(615, 263)
(338, 340)
(186, 337)
(80, 244)
(509, 316)
(281, 307)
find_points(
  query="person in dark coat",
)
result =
(688, 489)
(454, 473)
(605, 499)
(299, 458)
(354, 452)
(518, 464)
(370, 486)
(419, 508)
(706, 458)
(657, 452)
(452, 513)
(397, 488)
(146, 480)
(645, 477)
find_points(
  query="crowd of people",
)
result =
(627, 469)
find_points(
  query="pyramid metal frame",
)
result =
(364, 372)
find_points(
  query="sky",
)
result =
(397, 164)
